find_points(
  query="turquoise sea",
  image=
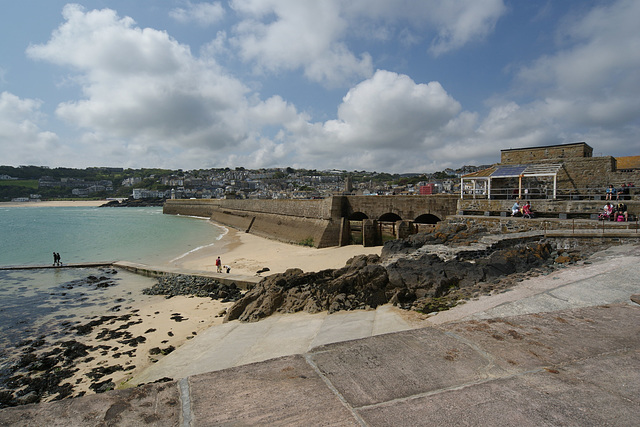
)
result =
(38, 302)
(30, 235)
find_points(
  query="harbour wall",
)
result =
(308, 222)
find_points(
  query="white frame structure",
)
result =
(509, 171)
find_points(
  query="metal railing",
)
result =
(510, 193)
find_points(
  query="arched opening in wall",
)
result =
(387, 226)
(355, 227)
(358, 216)
(390, 217)
(425, 223)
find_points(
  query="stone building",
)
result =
(554, 171)
(534, 154)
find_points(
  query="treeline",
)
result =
(26, 180)
(88, 174)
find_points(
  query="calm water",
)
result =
(38, 302)
(29, 235)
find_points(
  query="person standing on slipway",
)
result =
(219, 265)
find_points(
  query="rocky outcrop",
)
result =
(134, 203)
(405, 275)
(180, 284)
(361, 283)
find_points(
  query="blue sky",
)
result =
(378, 85)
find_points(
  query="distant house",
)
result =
(142, 193)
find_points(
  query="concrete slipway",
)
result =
(562, 349)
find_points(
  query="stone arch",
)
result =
(427, 219)
(390, 217)
(358, 216)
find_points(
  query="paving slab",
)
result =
(155, 404)
(284, 392)
(533, 341)
(237, 343)
(540, 398)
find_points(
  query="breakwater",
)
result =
(320, 223)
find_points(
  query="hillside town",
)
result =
(31, 183)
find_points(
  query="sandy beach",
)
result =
(246, 254)
(61, 203)
(137, 330)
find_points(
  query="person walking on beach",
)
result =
(219, 265)
(55, 259)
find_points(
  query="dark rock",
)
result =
(425, 283)
(103, 386)
(134, 203)
(171, 285)
(101, 371)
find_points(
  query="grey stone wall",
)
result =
(535, 155)
(517, 225)
(320, 208)
(583, 207)
(201, 207)
(406, 207)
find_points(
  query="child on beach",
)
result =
(219, 265)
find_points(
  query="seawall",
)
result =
(310, 222)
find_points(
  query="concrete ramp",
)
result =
(236, 343)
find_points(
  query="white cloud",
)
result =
(201, 13)
(290, 34)
(392, 109)
(387, 122)
(146, 94)
(280, 35)
(593, 80)
(451, 24)
(22, 142)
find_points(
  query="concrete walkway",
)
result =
(562, 349)
(242, 281)
(236, 343)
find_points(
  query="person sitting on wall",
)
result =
(622, 192)
(526, 210)
(607, 212)
(610, 192)
(515, 209)
(621, 213)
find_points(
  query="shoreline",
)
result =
(246, 254)
(132, 331)
(53, 203)
(109, 332)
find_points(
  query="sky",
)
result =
(392, 86)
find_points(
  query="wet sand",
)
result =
(99, 334)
